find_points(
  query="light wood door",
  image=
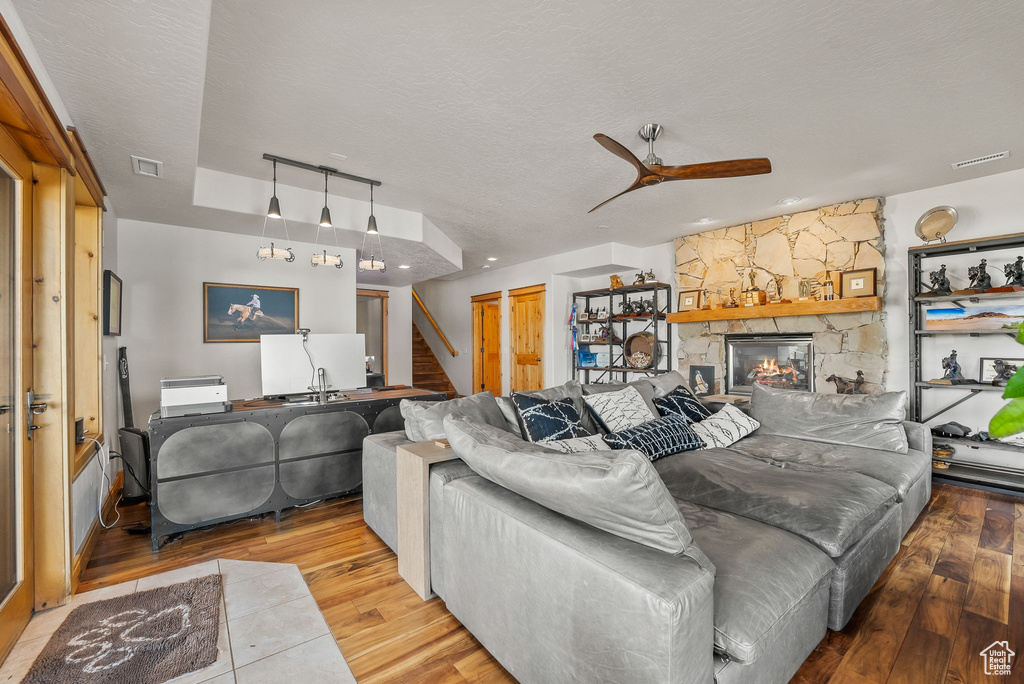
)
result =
(17, 584)
(527, 338)
(487, 344)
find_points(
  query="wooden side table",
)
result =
(412, 466)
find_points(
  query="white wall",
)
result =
(992, 205)
(164, 267)
(562, 274)
(399, 332)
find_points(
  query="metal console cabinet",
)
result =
(263, 457)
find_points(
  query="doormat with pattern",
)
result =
(147, 637)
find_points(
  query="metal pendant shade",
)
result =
(371, 256)
(274, 210)
(325, 213)
(371, 224)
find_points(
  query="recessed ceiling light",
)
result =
(338, 156)
(147, 167)
(704, 220)
(403, 266)
(789, 200)
(492, 258)
(486, 266)
(603, 227)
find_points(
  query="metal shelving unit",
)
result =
(624, 326)
(962, 468)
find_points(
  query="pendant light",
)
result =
(371, 257)
(274, 212)
(322, 258)
(325, 213)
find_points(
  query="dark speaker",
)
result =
(79, 431)
(135, 457)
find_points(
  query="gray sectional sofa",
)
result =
(572, 568)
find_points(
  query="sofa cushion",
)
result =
(541, 420)
(574, 391)
(763, 577)
(619, 409)
(832, 509)
(576, 445)
(680, 402)
(645, 389)
(615, 491)
(423, 419)
(725, 428)
(874, 421)
(508, 409)
(899, 471)
(657, 438)
(664, 383)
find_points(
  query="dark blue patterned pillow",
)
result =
(658, 438)
(679, 402)
(543, 420)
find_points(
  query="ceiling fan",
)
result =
(651, 172)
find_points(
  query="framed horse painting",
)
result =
(241, 313)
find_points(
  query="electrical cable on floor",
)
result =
(99, 504)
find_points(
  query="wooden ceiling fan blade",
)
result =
(621, 151)
(631, 188)
(731, 168)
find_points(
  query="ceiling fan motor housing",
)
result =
(649, 133)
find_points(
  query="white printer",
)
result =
(193, 396)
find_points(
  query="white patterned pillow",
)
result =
(576, 445)
(619, 410)
(725, 428)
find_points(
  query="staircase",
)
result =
(427, 372)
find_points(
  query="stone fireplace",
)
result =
(783, 361)
(788, 248)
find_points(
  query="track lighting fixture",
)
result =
(371, 256)
(321, 257)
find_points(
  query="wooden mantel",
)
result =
(836, 306)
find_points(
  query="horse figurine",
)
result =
(246, 313)
(980, 278)
(845, 386)
(940, 283)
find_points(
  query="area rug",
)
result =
(147, 637)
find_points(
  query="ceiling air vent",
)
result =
(980, 160)
(147, 167)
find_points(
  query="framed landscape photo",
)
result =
(241, 313)
(689, 300)
(859, 283)
(998, 369)
(111, 303)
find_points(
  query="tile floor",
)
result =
(271, 629)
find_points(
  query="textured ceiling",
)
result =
(480, 115)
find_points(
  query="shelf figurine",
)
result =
(706, 301)
(1015, 274)
(616, 282)
(649, 276)
(640, 279)
(940, 283)
(731, 302)
(952, 372)
(980, 278)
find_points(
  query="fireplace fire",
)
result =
(783, 361)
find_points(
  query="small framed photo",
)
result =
(583, 316)
(702, 380)
(689, 300)
(860, 283)
(998, 371)
(585, 338)
(111, 303)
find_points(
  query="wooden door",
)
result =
(487, 343)
(17, 570)
(527, 338)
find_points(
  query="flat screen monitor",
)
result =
(286, 368)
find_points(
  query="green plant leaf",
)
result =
(1020, 334)
(1008, 421)
(1015, 387)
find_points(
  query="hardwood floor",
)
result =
(956, 586)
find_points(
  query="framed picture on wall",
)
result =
(998, 371)
(241, 313)
(111, 303)
(689, 300)
(859, 283)
(702, 380)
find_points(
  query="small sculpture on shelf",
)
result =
(940, 283)
(1015, 274)
(705, 300)
(616, 283)
(731, 302)
(640, 279)
(952, 372)
(754, 296)
(649, 277)
(980, 278)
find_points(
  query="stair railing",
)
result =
(451, 350)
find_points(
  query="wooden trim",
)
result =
(25, 109)
(86, 171)
(383, 295)
(89, 545)
(84, 453)
(430, 319)
(489, 297)
(526, 290)
(478, 341)
(372, 293)
(836, 306)
(88, 308)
